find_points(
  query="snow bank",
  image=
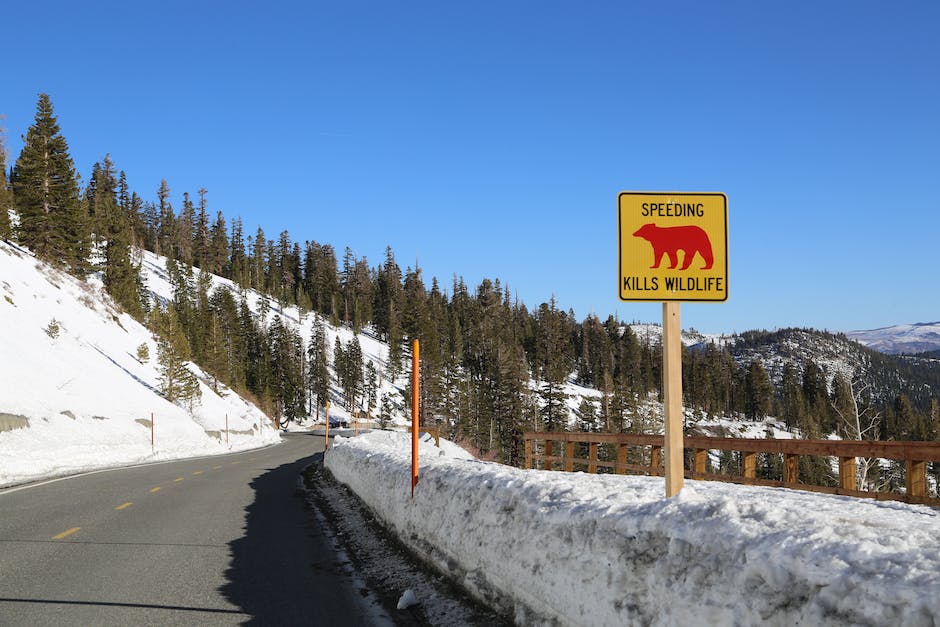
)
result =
(610, 550)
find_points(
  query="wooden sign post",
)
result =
(672, 398)
(653, 229)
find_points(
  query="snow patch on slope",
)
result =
(87, 397)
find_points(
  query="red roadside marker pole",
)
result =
(326, 437)
(415, 395)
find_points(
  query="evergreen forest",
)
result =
(492, 368)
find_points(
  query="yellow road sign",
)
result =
(673, 246)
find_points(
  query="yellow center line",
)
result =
(198, 472)
(236, 462)
(65, 533)
(178, 479)
(124, 505)
(156, 489)
(216, 467)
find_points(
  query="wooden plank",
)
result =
(921, 451)
(656, 457)
(548, 454)
(569, 456)
(847, 469)
(592, 458)
(791, 468)
(701, 461)
(528, 454)
(916, 478)
(750, 466)
(621, 459)
(672, 397)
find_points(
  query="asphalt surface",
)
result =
(222, 540)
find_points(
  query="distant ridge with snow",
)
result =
(919, 337)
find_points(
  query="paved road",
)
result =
(221, 540)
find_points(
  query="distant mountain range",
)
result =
(922, 337)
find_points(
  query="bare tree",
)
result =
(859, 421)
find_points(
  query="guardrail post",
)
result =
(621, 458)
(750, 465)
(548, 464)
(528, 454)
(569, 456)
(791, 468)
(847, 468)
(701, 461)
(592, 464)
(916, 478)
(656, 458)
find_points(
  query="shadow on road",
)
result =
(284, 570)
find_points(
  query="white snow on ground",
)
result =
(91, 371)
(610, 550)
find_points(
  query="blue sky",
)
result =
(490, 139)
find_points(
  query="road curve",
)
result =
(213, 541)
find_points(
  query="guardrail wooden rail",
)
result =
(915, 456)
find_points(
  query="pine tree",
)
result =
(201, 249)
(318, 374)
(166, 221)
(758, 391)
(791, 402)
(45, 193)
(371, 387)
(177, 382)
(183, 238)
(219, 248)
(113, 227)
(286, 368)
(553, 364)
(217, 359)
(237, 260)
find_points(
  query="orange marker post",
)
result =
(326, 437)
(415, 395)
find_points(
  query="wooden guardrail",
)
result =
(915, 456)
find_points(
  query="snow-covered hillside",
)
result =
(832, 354)
(648, 333)
(73, 394)
(579, 549)
(153, 269)
(902, 338)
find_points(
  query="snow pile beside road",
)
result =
(610, 550)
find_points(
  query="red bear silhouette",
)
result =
(669, 240)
